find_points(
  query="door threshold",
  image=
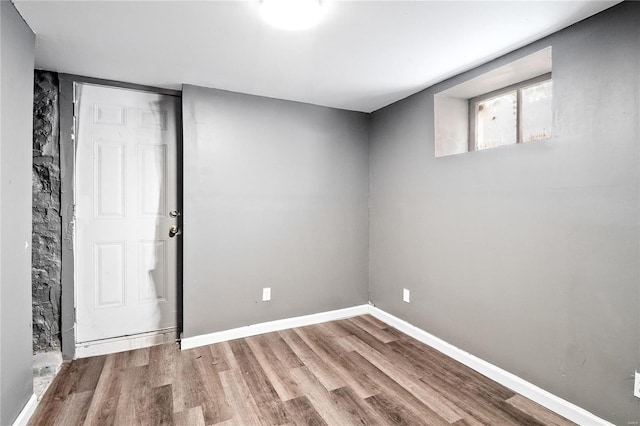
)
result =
(126, 343)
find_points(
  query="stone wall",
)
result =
(47, 231)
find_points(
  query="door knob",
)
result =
(174, 213)
(173, 231)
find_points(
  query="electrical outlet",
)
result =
(636, 386)
(406, 295)
(266, 294)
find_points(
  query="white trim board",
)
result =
(267, 327)
(126, 343)
(28, 410)
(497, 374)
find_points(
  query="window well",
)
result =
(506, 106)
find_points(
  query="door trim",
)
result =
(67, 83)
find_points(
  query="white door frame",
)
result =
(67, 161)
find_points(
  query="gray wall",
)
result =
(275, 195)
(525, 256)
(17, 44)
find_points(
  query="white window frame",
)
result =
(518, 87)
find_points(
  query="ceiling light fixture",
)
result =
(291, 14)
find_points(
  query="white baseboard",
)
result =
(497, 374)
(267, 327)
(126, 343)
(28, 410)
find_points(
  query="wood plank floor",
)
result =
(357, 371)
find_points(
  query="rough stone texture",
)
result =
(47, 229)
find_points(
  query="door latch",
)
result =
(174, 230)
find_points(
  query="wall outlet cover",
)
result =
(266, 294)
(406, 295)
(636, 385)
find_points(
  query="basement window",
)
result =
(515, 114)
(508, 105)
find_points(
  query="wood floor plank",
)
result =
(301, 412)
(189, 417)
(469, 396)
(329, 352)
(104, 403)
(375, 321)
(477, 395)
(228, 356)
(330, 329)
(459, 374)
(322, 340)
(162, 364)
(312, 361)
(357, 375)
(437, 403)
(477, 405)
(320, 398)
(396, 394)
(361, 334)
(393, 351)
(201, 386)
(47, 413)
(53, 400)
(161, 406)
(356, 407)
(381, 334)
(402, 355)
(132, 404)
(177, 380)
(281, 350)
(277, 414)
(215, 406)
(218, 358)
(88, 373)
(187, 387)
(392, 412)
(253, 373)
(276, 371)
(462, 422)
(262, 389)
(240, 399)
(139, 357)
(540, 413)
(74, 410)
(78, 376)
(356, 371)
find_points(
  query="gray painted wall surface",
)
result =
(525, 256)
(275, 195)
(17, 44)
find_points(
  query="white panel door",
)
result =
(125, 188)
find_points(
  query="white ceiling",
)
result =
(363, 55)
